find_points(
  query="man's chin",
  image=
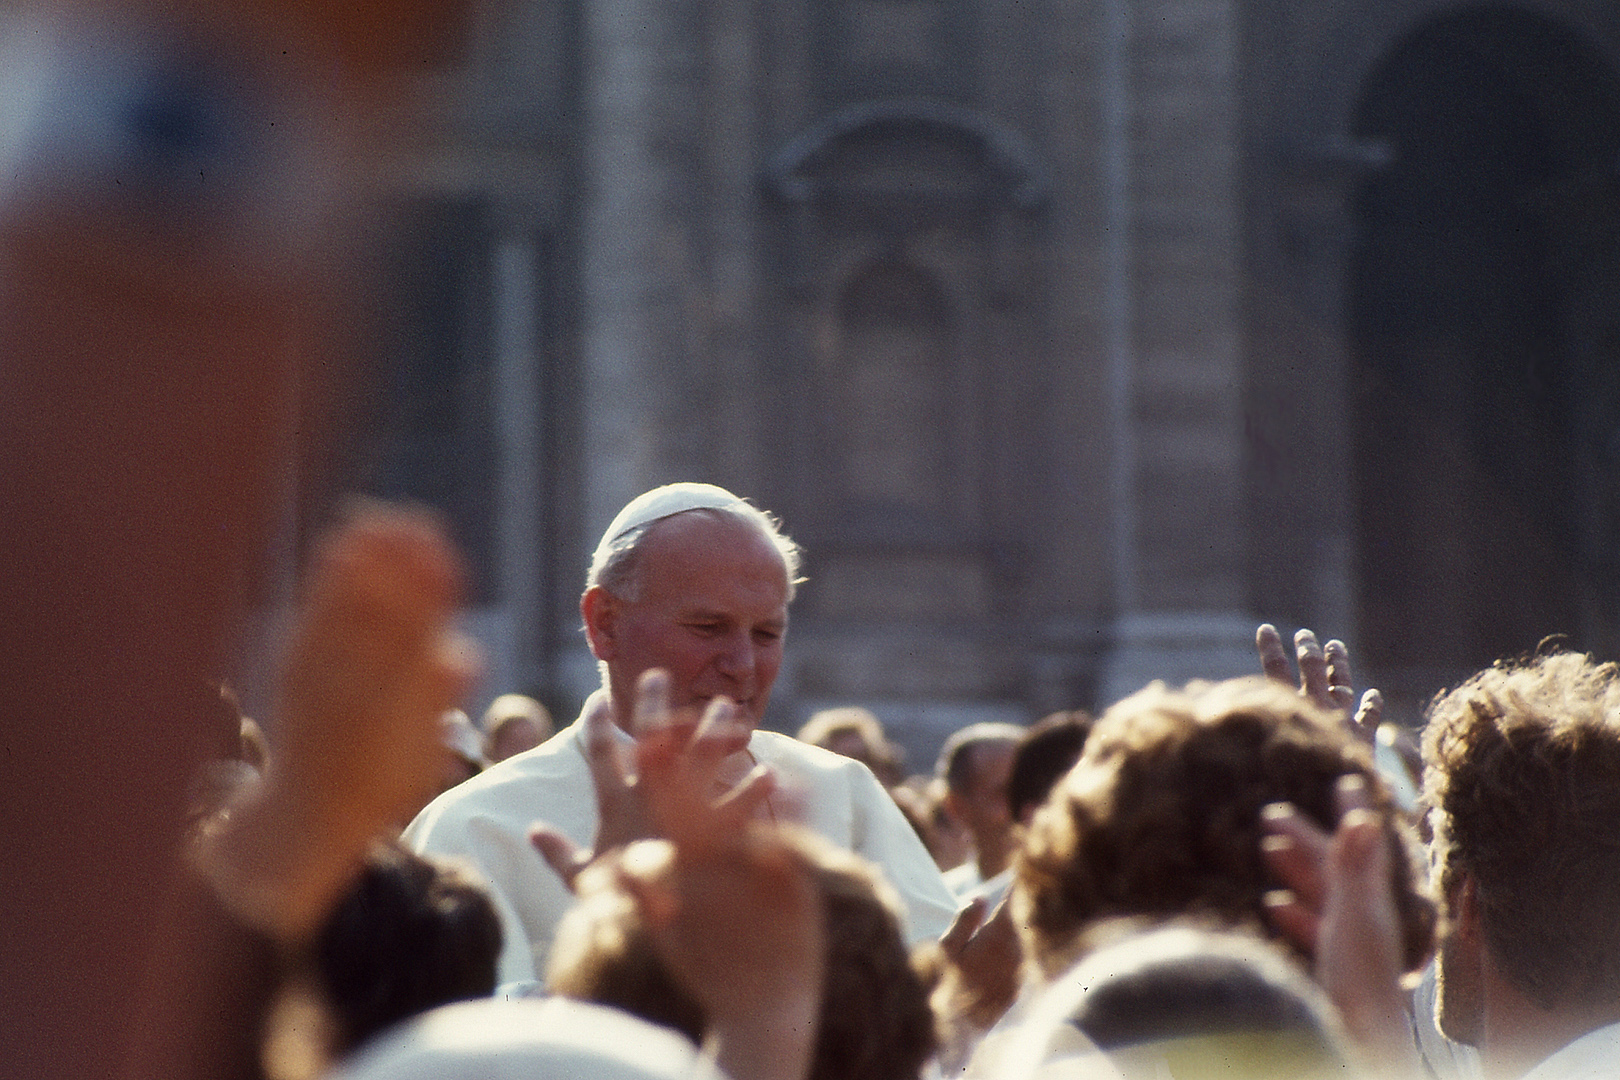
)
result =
(745, 712)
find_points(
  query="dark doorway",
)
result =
(1487, 433)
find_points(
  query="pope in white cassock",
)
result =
(691, 579)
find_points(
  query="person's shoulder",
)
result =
(522, 786)
(773, 747)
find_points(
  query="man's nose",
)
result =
(738, 656)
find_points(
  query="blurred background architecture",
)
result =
(1069, 338)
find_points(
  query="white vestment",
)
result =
(556, 1039)
(1593, 1056)
(486, 821)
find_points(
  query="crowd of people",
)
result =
(1221, 879)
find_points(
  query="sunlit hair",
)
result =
(615, 566)
(828, 727)
(874, 1023)
(1161, 815)
(956, 762)
(1523, 778)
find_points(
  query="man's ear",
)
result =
(954, 808)
(600, 610)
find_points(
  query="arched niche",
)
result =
(905, 240)
(895, 169)
(1484, 355)
(892, 429)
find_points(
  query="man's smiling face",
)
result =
(710, 608)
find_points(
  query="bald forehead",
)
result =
(711, 541)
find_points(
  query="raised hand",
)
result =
(733, 911)
(705, 752)
(1339, 907)
(1324, 676)
(372, 664)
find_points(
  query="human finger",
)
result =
(676, 796)
(718, 736)
(1339, 682)
(561, 854)
(739, 805)
(1370, 714)
(1296, 850)
(651, 710)
(1359, 960)
(963, 927)
(1313, 676)
(1298, 922)
(1351, 793)
(1273, 656)
(608, 773)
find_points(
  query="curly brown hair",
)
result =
(1522, 779)
(875, 1022)
(1161, 815)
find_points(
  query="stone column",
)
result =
(1171, 192)
(643, 421)
(521, 484)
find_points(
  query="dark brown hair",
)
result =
(875, 1022)
(1161, 816)
(1523, 775)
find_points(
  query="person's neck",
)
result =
(1517, 1034)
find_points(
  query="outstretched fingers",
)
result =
(1273, 655)
(1296, 851)
(1324, 676)
(679, 777)
(1313, 668)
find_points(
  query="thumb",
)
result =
(561, 854)
(963, 927)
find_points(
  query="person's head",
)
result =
(512, 724)
(1048, 750)
(855, 733)
(1161, 815)
(1183, 1000)
(409, 935)
(974, 763)
(694, 580)
(1522, 778)
(874, 1023)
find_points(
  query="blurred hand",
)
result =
(733, 911)
(1339, 906)
(702, 750)
(372, 664)
(983, 958)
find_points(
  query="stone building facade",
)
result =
(1069, 338)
